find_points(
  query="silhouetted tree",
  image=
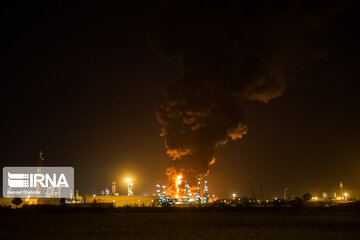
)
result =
(17, 201)
(62, 201)
(307, 196)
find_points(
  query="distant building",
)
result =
(123, 200)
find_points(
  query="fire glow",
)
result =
(178, 182)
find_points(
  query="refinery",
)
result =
(160, 198)
(184, 196)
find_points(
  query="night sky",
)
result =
(82, 83)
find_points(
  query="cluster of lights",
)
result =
(163, 191)
(28, 199)
(345, 197)
(158, 191)
(130, 186)
(161, 195)
(198, 196)
(182, 195)
(206, 195)
(187, 191)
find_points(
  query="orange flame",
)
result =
(177, 183)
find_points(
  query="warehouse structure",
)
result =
(123, 200)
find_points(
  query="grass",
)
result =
(182, 224)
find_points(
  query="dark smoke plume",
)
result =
(230, 54)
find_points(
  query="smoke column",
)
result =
(230, 55)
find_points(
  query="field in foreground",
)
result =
(183, 224)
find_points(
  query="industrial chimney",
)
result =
(113, 188)
(206, 195)
(285, 193)
(163, 191)
(198, 197)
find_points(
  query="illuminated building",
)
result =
(123, 201)
(341, 195)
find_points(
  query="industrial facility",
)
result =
(184, 196)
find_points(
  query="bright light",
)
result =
(345, 194)
(314, 198)
(130, 184)
(234, 195)
(178, 182)
(178, 179)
